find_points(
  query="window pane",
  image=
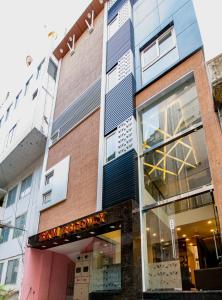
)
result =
(113, 27)
(4, 234)
(47, 197)
(112, 78)
(12, 271)
(26, 186)
(180, 242)
(52, 69)
(166, 43)
(1, 269)
(11, 197)
(111, 147)
(173, 113)
(149, 54)
(176, 168)
(20, 226)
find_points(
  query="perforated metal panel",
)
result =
(78, 110)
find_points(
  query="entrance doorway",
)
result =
(94, 265)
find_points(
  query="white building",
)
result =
(24, 125)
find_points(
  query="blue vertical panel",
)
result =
(120, 180)
(113, 11)
(119, 44)
(119, 104)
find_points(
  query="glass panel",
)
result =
(179, 242)
(111, 147)
(26, 186)
(4, 234)
(11, 197)
(176, 168)
(149, 54)
(166, 43)
(106, 263)
(173, 113)
(112, 78)
(12, 271)
(20, 225)
(113, 27)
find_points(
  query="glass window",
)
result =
(12, 271)
(52, 69)
(47, 197)
(170, 115)
(1, 269)
(48, 177)
(176, 168)
(112, 78)
(11, 196)
(181, 240)
(111, 147)
(26, 186)
(20, 226)
(106, 262)
(113, 27)
(11, 135)
(4, 234)
(157, 49)
(35, 94)
(17, 99)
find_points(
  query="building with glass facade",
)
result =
(130, 205)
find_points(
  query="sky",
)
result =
(24, 25)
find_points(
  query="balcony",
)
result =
(28, 150)
(215, 76)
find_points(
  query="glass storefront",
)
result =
(181, 239)
(95, 265)
(181, 232)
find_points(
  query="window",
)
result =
(181, 240)
(26, 187)
(11, 196)
(111, 147)
(47, 197)
(112, 78)
(48, 177)
(20, 226)
(4, 234)
(35, 94)
(11, 135)
(8, 112)
(113, 27)
(39, 69)
(17, 99)
(1, 269)
(12, 271)
(55, 137)
(52, 69)
(157, 49)
(174, 155)
(27, 85)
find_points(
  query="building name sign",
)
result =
(73, 227)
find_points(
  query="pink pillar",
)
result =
(45, 275)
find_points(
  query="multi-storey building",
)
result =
(24, 124)
(130, 202)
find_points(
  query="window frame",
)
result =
(115, 19)
(115, 68)
(14, 267)
(21, 197)
(18, 231)
(114, 133)
(48, 193)
(156, 42)
(48, 176)
(5, 229)
(15, 187)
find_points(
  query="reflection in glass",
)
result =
(179, 242)
(176, 168)
(111, 147)
(172, 114)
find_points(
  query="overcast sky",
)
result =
(24, 25)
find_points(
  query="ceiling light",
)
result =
(105, 245)
(154, 234)
(147, 229)
(212, 230)
(187, 239)
(184, 235)
(162, 240)
(209, 222)
(178, 228)
(191, 244)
